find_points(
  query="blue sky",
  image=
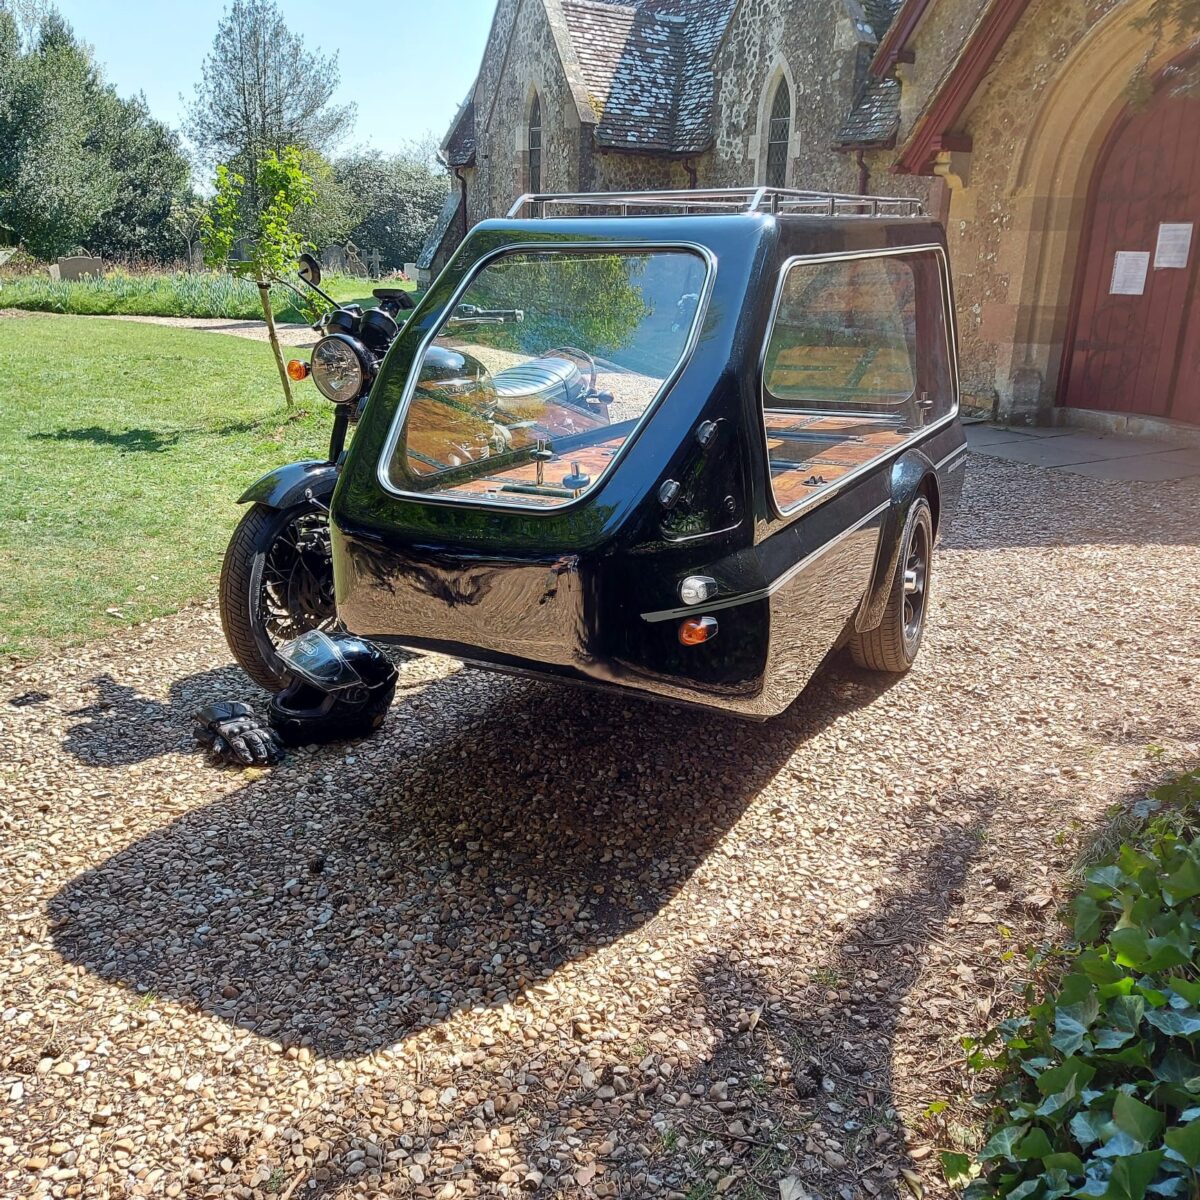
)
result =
(407, 64)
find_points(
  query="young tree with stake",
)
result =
(283, 188)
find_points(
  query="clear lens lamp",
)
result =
(696, 589)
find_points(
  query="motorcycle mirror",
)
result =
(310, 269)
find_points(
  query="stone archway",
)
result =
(1025, 289)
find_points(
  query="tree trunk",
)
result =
(264, 294)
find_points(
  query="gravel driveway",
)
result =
(532, 940)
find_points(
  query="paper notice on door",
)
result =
(1174, 246)
(1129, 273)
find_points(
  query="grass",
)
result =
(124, 448)
(177, 294)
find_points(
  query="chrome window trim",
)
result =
(832, 489)
(763, 593)
(393, 437)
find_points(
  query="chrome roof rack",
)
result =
(784, 201)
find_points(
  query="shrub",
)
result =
(1101, 1091)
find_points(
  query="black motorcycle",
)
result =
(277, 577)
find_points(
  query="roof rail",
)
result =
(790, 201)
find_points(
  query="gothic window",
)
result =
(535, 144)
(778, 130)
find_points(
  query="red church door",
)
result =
(1135, 345)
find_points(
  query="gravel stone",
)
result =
(535, 940)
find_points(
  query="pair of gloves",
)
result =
(237, 735)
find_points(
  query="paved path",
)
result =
(530, 940)
(1114, 457)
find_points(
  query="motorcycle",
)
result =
(277, 575)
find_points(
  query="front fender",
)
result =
(909, 473)
(287, 485)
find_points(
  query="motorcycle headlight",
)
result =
(339, 369)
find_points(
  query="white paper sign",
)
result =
(1174, 246)
(1129, 273)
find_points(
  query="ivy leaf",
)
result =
(1177, 1067)
(1132, 1174)
(1175, 1186)
(1072, 1021)
(1132, 948)
(1035, 1144)
(1063, 1161)
(1183, 883)
(1185, 1141)
(1119, 1144)
(956, 1168)
(1186, 988)
(1109, 876)
(1002, 1142)
(1124, 1016)
(1087, 919)
(1057, 1078)
(1173, 1022)
(1139, 1120)
(1088, 1127)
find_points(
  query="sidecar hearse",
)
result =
(679, 442)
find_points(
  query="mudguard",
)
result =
(908, 479)
(287, 485)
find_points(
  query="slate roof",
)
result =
(648, 69)
(459, 146)
(881, 14)
(875, 118)
(440, 228)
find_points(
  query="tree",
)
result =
(79, 165)
(55, 180)
(399, 197)
(261, 90)
(283, 188)
(152, 177)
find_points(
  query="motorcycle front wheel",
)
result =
(276, 583)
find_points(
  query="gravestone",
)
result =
(79, 266)
(333, 259)
(410, 270)
(354, 262)
(374, 262)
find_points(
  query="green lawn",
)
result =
(123, 448)
(178, 294)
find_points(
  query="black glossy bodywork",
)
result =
(589, 591)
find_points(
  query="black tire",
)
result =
(276, 583)
(892, 646)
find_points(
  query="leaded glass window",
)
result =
(777, 136)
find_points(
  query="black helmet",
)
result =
(338, 686)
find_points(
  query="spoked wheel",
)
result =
(893, 646)
(276, 583)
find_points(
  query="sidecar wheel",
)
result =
(276, 583)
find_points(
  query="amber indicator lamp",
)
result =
(695, 630)
(298, 370)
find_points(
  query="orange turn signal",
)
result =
(298, 370)
(695, 630)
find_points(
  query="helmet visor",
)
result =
(317, 658)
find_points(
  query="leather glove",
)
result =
(236, 735)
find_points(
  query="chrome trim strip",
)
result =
(832, 489)
(763, 593)
(393, 437)
(955, 453)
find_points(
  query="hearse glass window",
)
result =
(543, 370)
(857, 364)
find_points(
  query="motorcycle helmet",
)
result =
(337, 686)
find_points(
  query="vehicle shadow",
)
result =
(350, 898)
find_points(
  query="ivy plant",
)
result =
(1100, 1091)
